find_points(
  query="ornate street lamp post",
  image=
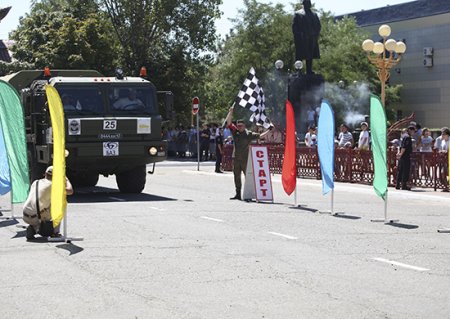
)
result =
(376, 52)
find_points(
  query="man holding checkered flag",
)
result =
(250, 97)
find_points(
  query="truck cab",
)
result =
(113, 125)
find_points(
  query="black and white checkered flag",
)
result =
(251, 96)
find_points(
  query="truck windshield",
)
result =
(131, 98)
(81, 99)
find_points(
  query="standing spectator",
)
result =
(219, 150)
(404, 159)
(275, 136)
(345, 137)
(242, 139)
(204, 142)
(417, 136)
(310, 137)
(437, 143)
(226, 133)
(182, 142)
(363, 143)
(426, 141)
(445, 141)
(193, 141)
(311, 114)
(212, 141)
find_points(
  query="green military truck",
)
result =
(113, 126)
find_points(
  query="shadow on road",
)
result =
(404, 226)
(20, 234)
(71, 248)
(8, 222)
(106, 195)
(304, 208)
(339, 215)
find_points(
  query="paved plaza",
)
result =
(182, 249)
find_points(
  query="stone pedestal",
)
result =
(305, 91)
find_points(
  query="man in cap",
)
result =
(404, 159)
(40, 191)
(242, 139)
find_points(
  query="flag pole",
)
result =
(332, 201)
(295, 196)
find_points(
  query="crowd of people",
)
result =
(421, 139)
(182, 142)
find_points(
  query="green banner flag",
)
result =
(11, 117)
(378, 131)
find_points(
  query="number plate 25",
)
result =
(110, 125)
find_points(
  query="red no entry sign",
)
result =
(195, 105)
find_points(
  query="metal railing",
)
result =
(428, 170)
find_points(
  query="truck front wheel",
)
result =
(132, 181)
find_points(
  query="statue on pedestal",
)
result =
(306, 28)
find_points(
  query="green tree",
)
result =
(262, 34)
(171, 38)
(65, 34)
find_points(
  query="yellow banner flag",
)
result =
(58, 195)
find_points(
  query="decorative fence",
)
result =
(428, 170)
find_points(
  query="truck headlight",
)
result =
(152, 151)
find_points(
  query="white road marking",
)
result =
(157, 208)
(212, 219)
(282, 235)
(118, 199)
(396, 263)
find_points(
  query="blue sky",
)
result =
(229, 8)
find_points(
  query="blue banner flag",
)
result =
(325, 146)
(5, 176)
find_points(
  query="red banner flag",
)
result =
(289, 174)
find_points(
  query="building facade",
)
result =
(424, 71)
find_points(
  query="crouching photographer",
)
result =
(36, 210)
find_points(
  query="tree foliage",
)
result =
(262, 34)
(65, 34)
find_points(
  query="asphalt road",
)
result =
(182, 249)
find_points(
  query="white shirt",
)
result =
(425, 144)
(437, 143)
(444, 146)
(45, 188)
(363, 142)
(310, 139)
(345, 138)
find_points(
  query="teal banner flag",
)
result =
(5, 176)
(12, 120)
(378, 129)
(325, 146)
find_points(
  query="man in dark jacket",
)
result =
(404, 160)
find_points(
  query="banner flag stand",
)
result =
(9, 209)
(385, 219)
(64, 237)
